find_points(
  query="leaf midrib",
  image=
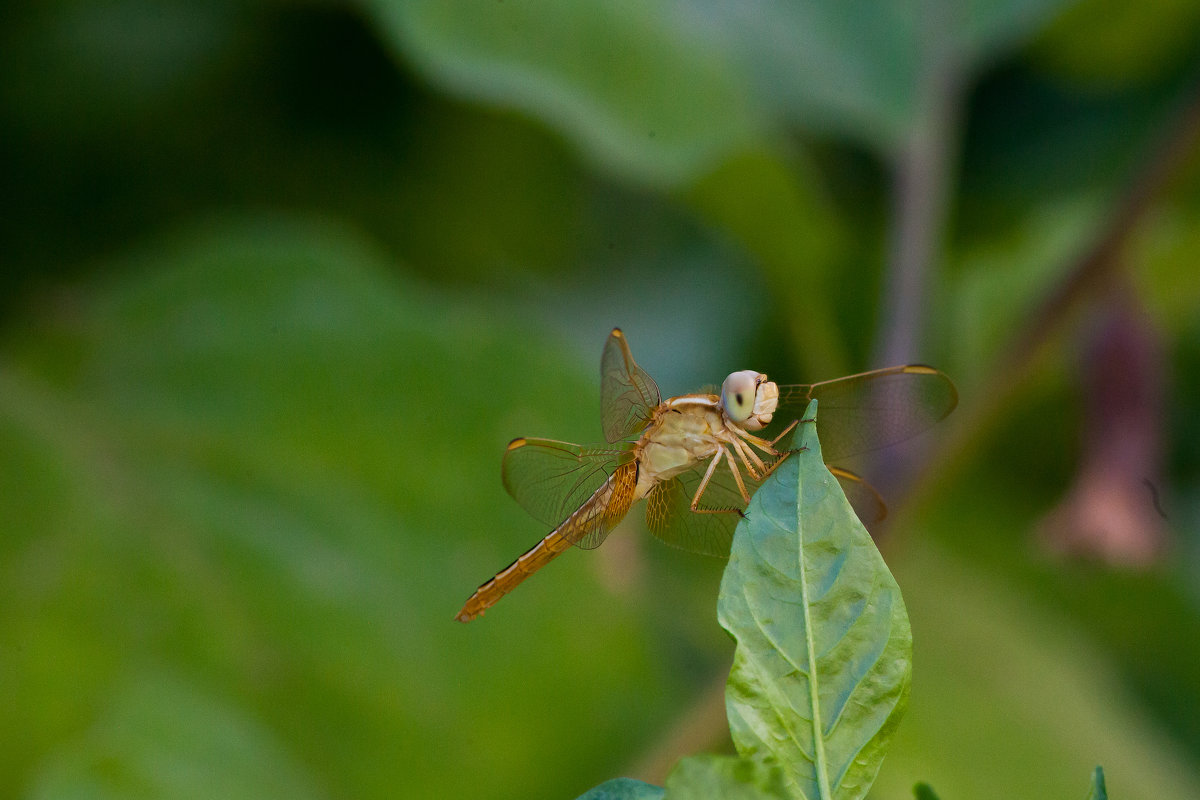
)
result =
(813, 679)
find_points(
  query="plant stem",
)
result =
(920, 193)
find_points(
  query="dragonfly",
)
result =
(696, 459)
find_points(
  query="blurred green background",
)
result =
(280, 280)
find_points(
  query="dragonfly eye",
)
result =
(738, 394)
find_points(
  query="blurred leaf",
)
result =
(645, 88)
(1098, 791)
(859, 68)
(821, 673)
(659, 90)
(992, 655)
(726, 777)
(126, 116)
(481, 193)
(1109, 44)
(624, 789)
(105, 69)
(998, 280)
(257, 453)
(777, 210)
(1163, 256)
(923, 791)
(165, 738)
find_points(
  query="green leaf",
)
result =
(923, 791)
(727, 777)
(821, 673)
(644, 87)
(661, 91)
(260, 455)
(1098, 792)
(624, 789)
(1110, 45)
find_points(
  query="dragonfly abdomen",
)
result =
(607, 506)
(507, 579)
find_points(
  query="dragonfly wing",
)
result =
(669, 515)
(871, 410)
(552, 480)
(591, 523)
(863, 497)
(628, 396)
(670, 518)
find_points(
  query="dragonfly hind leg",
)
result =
(708, 474)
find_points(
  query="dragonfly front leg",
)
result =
(785, 432)
(747, 455)
(768, 447)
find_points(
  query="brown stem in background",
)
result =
(920, 195)
(701, 728)
(1092, 269)
(922, 177)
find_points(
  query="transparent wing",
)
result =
(870, 410)
(670, 518)
(863, 497)
(628, 396)
(669, 515)
(551, 479)
(590, 525)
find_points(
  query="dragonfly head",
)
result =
(749, 399)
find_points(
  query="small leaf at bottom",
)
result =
(726, 777)
(923, 791)
(624, 789)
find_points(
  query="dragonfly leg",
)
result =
(768, 447)
(761, 444)
(737, 477)
(784, 454)
(708, 473)
(747, 455)
(785, 432)
(775, 465)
